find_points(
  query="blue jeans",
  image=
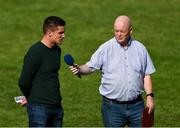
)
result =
(120, 115)
(45, 115)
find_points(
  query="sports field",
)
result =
(89, 23)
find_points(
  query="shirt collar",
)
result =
(129, 43)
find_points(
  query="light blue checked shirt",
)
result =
(123, 69)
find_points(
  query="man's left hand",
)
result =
(150, 104)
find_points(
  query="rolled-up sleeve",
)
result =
(149, 67)
(96, 60)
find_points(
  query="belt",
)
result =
(139, 98)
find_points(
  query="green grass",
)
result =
(89, 24)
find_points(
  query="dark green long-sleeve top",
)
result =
(39, 77)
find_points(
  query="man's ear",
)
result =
(49, 33)
(131, 30)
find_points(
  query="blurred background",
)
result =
(89, 23)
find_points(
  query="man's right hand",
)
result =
(23, 102)
(74, 69)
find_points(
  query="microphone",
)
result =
(70, 61)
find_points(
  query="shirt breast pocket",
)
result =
(136, 66)
(137, 72)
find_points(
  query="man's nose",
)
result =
(63, 35)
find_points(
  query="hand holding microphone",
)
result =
(70, 61)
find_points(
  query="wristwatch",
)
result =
(150, 94)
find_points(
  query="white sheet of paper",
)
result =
(18, 99)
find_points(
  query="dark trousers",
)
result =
(45, 115)
(121, 114)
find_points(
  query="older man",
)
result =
(126, 72)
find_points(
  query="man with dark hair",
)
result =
(39, 77)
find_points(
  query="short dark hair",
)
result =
(52, 22)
